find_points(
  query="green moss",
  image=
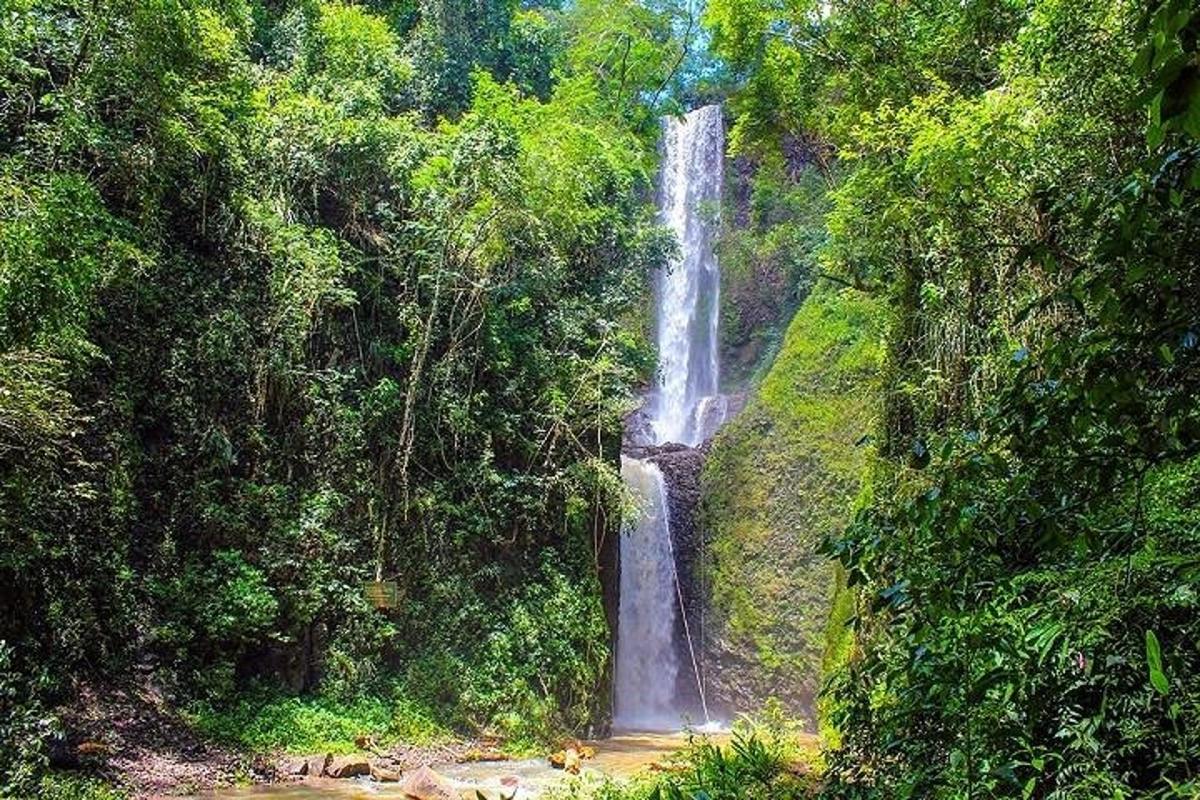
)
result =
(779, 479)
(839, 644)
(774, 229)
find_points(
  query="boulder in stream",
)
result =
(314, 766)
(425, 784)
(384, 775)
(348, 767)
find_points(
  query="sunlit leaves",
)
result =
(1038, 399)
(1158, 678)
(311, 330)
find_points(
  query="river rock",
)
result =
(348, 767)
(313, 766)
(292, 766)
(572, 761)
(384, 775)
(425, 784)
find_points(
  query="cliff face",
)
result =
(681, 467)
(749, 507)
(777, 479)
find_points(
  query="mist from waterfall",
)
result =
(684, 407)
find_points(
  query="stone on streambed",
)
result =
(425, 784)
(571, 759)
(310, 766)
(353, 766)
(348, 767)
(384, 775)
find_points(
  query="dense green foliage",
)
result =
(1019, 184)
(763, 759)
(773, 219)
(295, 295)
(266, 723)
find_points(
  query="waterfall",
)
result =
(647, 665)
(689, 290)
(684, 407)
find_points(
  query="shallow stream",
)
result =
(620, 756)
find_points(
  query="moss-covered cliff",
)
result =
(778, 479)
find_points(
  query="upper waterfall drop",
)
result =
(658, 683)
(693, 154)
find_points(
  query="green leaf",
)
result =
(1154, 660)
(1154, 135)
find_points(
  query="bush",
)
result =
(271, 723)
(62, 786)
(25, 729)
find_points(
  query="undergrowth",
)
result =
(269, 722)
(62, 786)
(764, 759)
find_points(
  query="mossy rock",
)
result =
(778, 480)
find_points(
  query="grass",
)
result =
(768, 758)
(67, 786)
(318, 724)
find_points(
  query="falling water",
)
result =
(684, 407)
(647, 664)
(689, 290)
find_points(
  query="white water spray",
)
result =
(647, 665)
(684, 408)
(689, 291)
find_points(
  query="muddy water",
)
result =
(620, 756)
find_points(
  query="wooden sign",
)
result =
(382, 594)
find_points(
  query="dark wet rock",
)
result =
(681, 468)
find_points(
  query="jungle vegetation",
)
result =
(1016, 182)
(295, 295)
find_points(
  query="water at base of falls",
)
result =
(655, 649)
(647, 666)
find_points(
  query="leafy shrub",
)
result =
(25, 729)
(65, 786)
(266, 722)
(762, 761)
(540, 667)
(748, 768)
